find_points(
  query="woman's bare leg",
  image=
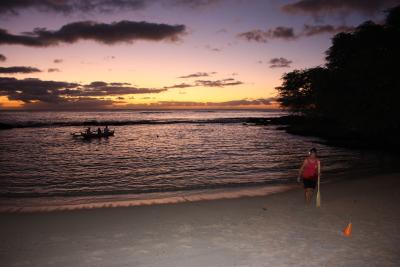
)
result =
(309, 194)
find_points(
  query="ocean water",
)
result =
(155, 155)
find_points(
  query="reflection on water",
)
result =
(144, 159)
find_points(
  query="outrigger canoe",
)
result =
(93, 135)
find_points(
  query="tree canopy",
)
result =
(359, 86)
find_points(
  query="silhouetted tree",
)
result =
(393, 17)
(360, 85)
(300, 91)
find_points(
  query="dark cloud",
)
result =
(281, 33)
(213, 49)
(261, 36)
(195, 75)
(193, 3)
(8, 84)
(18, 69)
(244, 102)
(280, 62)
(57, 60)
(28, 90)
(254, 35)
(3, 58)
(218, 83)
(81, 103)
(206, 83)
(31, 90)
(12, 7)
(180, 86)
(187, 104)
(324, 7)
(310, 30)
(119, 84)
(53, 70)
(96, 84)
(116, 32)
(287, 33)
(69, 6)
(100, 88)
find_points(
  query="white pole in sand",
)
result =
(318, 192)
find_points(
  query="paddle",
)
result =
(319, 191)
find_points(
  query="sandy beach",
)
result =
(274, 230)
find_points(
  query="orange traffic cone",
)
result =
(347, 230)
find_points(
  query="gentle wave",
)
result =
(51, 204)
(149, 190)
(38, 124)
(154, 112)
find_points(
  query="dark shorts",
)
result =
(310, 183)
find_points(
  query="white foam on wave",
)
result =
(131, 201)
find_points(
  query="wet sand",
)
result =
(274, 230)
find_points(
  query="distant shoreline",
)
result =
(144, 109)
(332, 133)
(101, 121)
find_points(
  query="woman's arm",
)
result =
(301, 171)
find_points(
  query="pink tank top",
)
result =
(310, 170)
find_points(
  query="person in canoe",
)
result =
(309, 171)
(88, 131)
(98, 131)
(106, 130)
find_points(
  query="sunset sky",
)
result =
(71, 54)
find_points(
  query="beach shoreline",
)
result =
(274, 230)
(71, 203)
(52, 204)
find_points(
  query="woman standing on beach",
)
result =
(310, 171)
